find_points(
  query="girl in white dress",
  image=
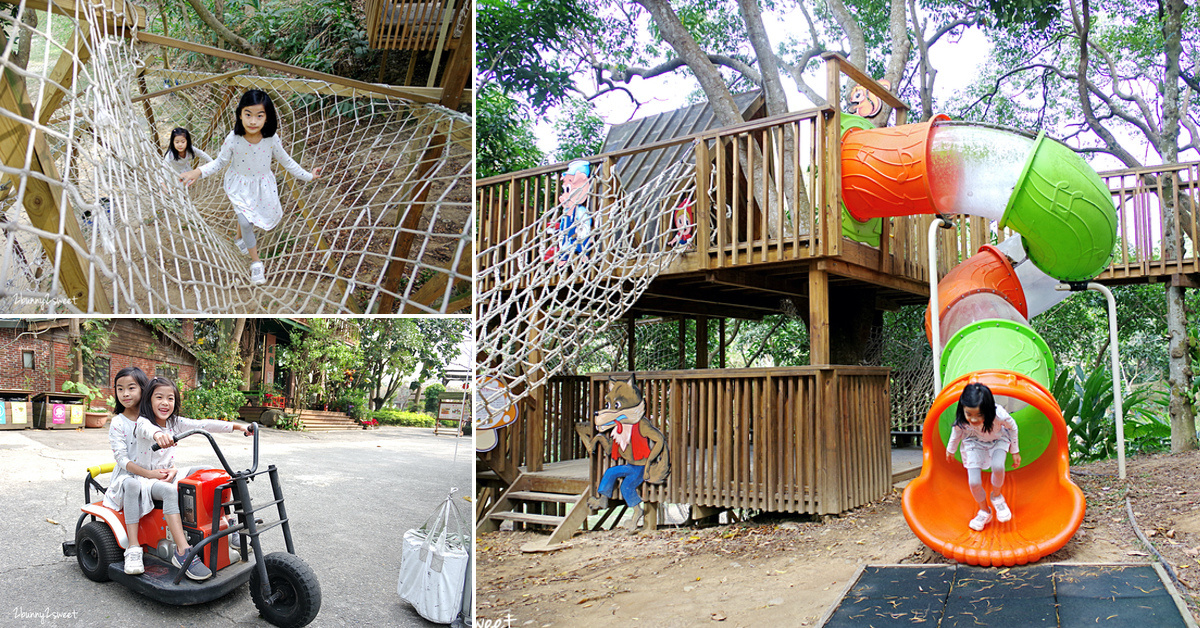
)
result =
(988, 434)
(249, 182)
(180, 156)
(129, 490)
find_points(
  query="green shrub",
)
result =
(431, 397)
(289, 422)
(392, 416)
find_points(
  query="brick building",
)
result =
(35, 354)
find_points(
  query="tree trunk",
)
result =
(25, 44)
(222, 31)
(1179, 374)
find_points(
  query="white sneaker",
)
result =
(242, 246)
(133, 561)
(1002, 512)
(258, 275)
(982, 518)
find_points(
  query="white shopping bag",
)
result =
(433, 563)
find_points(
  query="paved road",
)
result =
(350, 496)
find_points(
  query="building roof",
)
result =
(634, 170)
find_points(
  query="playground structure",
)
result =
(770, 236)
(94, 222)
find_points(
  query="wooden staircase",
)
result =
(536, 501)
(314, 420)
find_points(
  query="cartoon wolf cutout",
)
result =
(634, 441)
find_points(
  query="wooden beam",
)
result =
(673, 308)
(750, 281)
(701, 342)
(693, 295)
(631, 335)
(120, 14)
(721, 346)
(298, 85)
(43, 201)
(151, 38)
(1181, 280)
(64, 75)
(818, 317)
(170, 90)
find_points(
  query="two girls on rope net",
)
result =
(249, 183)
(987, 433)
(148, 413)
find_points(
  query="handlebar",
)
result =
(251, 429)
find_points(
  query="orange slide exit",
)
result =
(1047, 507)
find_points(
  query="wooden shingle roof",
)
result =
(634, 170)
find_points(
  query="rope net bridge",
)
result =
(92, 220)
(543, 300)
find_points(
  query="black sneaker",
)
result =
(196, 570)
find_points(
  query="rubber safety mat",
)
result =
(1053, 595)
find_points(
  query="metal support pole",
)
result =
(1114, 351)
(941, 222)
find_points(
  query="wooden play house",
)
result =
(769, 230)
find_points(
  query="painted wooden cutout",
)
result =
(864, 103)
(573, 229)
(626, 435)
(683, 222)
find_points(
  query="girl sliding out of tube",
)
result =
(987, 433)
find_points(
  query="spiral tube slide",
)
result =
(1047, 507)
(1067, 225)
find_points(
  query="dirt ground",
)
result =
(788, 570)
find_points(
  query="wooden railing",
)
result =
(799, 439)
(1157, 225)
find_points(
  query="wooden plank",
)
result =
(574, 520)
(196, 83)
(521, 517)
(296, 85)
(117, 14)
(818, 317)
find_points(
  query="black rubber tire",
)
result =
(294, 579)
(97, 547)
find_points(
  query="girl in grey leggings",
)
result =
(988, 434)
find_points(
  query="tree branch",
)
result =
(222, 31)
(625, 75)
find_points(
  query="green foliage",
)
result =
(503, 135)
(218, 392)
(1087, 405)
(579, 129)
(354, 402)
(392, 416)
(289, 422)
(90, 393)
(515, 45)
(318, 34)
(431, 397)
(319, 359)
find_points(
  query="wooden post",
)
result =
(42, 200)
(701, 342)
(818, 317)
(703, 219)
(458, 69)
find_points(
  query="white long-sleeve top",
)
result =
(165, 457)
(249, 181)
(180, 166)
(1003, 427)
(126, 448)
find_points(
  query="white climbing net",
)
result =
(537, 315)
(91, 219)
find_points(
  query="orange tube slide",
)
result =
(1047, 507)
(987, 271)
(884, 171)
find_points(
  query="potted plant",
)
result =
(95, 415)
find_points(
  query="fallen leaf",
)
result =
(717, 616)
(1136, 553)
(52, 521)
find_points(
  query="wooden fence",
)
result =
(811, 439)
